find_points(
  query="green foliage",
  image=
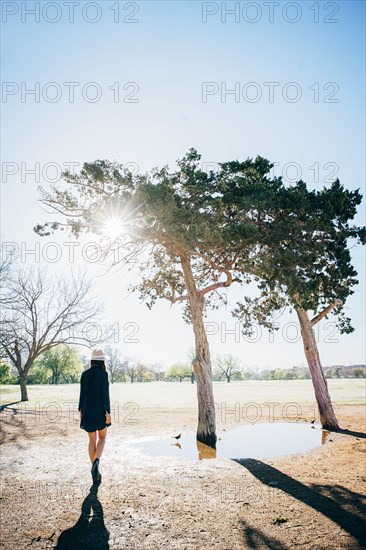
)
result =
(295, 373)
(6, 373)
(248, 375)
(60, 364)
(227, 366)
(183, 213)
(358, 372)
(179, 371)
(146, 376)
(39, 375)
(304, 260)
(236, 223)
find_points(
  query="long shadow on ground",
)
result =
(359, 435)
(89, 532)
(7, 405)
(337, 503)
(11, 418)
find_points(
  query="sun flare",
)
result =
(113, 227)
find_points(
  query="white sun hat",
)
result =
(98, 355)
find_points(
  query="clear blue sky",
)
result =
(169, 52)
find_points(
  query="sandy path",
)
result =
(155, 503)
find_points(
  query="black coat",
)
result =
(94, 399)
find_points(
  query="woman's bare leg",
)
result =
(101, 442)
(92, 445)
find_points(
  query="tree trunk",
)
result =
(328, 418)
(206, 429)
(23, 387)
(228, 378)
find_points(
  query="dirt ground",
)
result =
(314, 500)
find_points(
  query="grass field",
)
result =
(183, 395)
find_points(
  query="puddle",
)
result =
(263, 440)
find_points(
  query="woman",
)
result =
(95, 409)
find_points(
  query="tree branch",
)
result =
(325, 312)
(214, 286)
(226, 270)
(176, 299)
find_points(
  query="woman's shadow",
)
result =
(89, 532)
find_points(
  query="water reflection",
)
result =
(325, 434)
(262, 440)
(205, 451)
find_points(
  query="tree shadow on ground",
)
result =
(255, 538)
(19, 423)
(337, 503)
(89, 532)
(10, 419)
(7, 405)
(360, 435)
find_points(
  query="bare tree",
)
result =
(158, 371)
(6, 268)
(190, 358)
(39, 313)
(137, 371)
(5, 265)
(228, 366)
(132, 370)
(141, 372)
(117, 366)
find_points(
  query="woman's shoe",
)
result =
(95, 471)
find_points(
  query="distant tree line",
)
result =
(353, 371)
(59, 365)
(63, 365)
